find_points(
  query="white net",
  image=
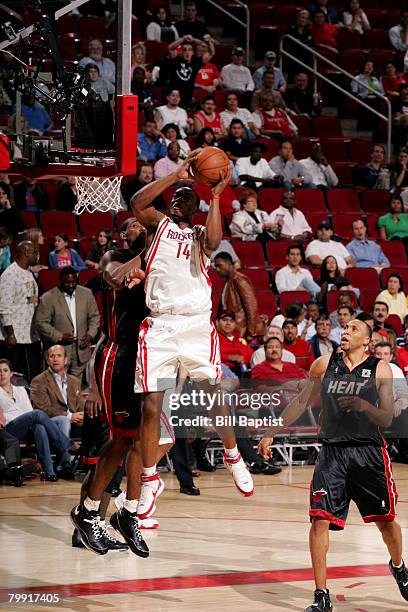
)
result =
(98, 194)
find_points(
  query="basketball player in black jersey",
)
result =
(353, 464)
(113, 385)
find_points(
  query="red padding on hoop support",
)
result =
(4, 152)
(126, 133)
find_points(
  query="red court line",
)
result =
(144, 585)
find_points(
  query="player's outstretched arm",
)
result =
(213, 226)
(297, 406)
(141, 202)
(118, 274)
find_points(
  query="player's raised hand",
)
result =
(265, 448)
(222, 183)
(183, 172)
(134, 277)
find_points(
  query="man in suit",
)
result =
(58, 393)
(68, 315)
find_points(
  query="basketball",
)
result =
(209, 164)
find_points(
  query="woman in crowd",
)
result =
(355, 19)
(251, 223)
(394, 296)
(206, 138)
(161, 28)
(18, 418)
(171, 133)
(102, 245)
(35, 235)
(330, 279)
(138, 60)
(63, 256)
(394, 225)
(400, 169)
(392, 80)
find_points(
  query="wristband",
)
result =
(216, 197)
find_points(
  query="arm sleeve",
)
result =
(331, 176)
(280, 281)
(39, 395)
(43, 317)
(7, 288)
(257, 119)
(249, 304)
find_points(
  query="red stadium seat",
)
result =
(29, 219)
(92, 27)
(84, 246)
(310, 200)
(48, 279)
(67, 23)
(259, 278)
(285, 14)
(55, 221)
(372, 221)
(269, 199)
(395, 321)
(376, 39)
(342, 224)
(348, 39)
(200, 218)
(276, 250)
(367, 299)
(351, 60)
(333, 300)
(360, 151)
(155, 51)
(315, 218)
(376, 17)
(395, 251)
(122, 216)
(381, 57)
(267, 304)
(91, 223)
(303, 125)
(216, 281)
(86, 275)
(271, 145)
(375, 200)
(250, 254)
(343, 201)
(68, 44)
(301, 148)
(335, 150)
(363, 278)
(403, 272)
(327, 127)
(343, 172)
(288, 297)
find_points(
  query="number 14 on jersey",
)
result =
(185, 252)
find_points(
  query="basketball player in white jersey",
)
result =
(179, 331)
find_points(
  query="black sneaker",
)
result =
(76, 539)
(321, 602)
(113, 543)
(88, 524)
(126, 524)
(401, 577)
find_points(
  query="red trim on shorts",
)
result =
(112, 318)
(142, 349)
(392, 493)
(215, 350)
(315, 513)
(155, 245)
(90, 460)
(384, 518)
(168, 426)
(126, 433)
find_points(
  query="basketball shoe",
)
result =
(125, 523)
(240, 474)
(321, 602)
(401, 577)
(147, 523)
(152, 487)
(113, 544)
(88, 523)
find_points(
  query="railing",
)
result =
(316, 55)
(245, 24)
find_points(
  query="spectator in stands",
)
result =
(366, 86)
(102, 245)
(400, 119)
(394, 225)
(301, 31)
(293, 343)
(35, 235)
(392, 80)
(383, 350)
(402, 354)
(5, 254)
(399, 34)
(138, 59)
(144, 176)
(330, 14)
(272, 121)
(355, 19)
(268, 87)
(320, 171)
(301, 100)
(150, 143)
(236, 145)
(170, 163)
(171, 134)
(208, 117)
(68, 315)
(332, 278)
(376, 174)
(58, 393)
(143, 89)
(106, 66)
(63, 256)
(239, 297)
(293, 277)
(18, 300)
(34, 112)
(10, 218)
(320, 342)
(235, 75)
(251, 223)
(97, 117)
(380, 315)
(400, 172)
(394, 296)
(66, 196)
(208, 76)
(190, 24)
(344, 315)
(306, 327)
(161, 28)
(346, 298)
(18, 418)
(273, 331)
(324, 34)
(269, 64)
(172, 113)
(160, 71)
(101, 86)
(366, 253)
(233, 111)
(30, 196)
(225, 246)
(254, 171)
(207, 138)
(289, 171)
(234, 350)
(182, 71)
(274, 366)
(295, 225)
(323, 246)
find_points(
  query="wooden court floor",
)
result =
(215, 552)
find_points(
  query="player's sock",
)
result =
(131, 505)
(397, 567)
(91, 504)
(232, 453)
(150, 471)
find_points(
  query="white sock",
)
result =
(150, 471)
(232, 453)
(398, 566)
(91, 504)
(130, 505)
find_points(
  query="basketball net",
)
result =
(98, 194)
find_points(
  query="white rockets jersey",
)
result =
(177, 281)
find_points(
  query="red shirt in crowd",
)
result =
(324, 35)
(234, 346)
(402, 359)
(302, 351)
(226, 197)
(267, 370)
(206, 75)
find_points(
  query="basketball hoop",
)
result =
(98, 194)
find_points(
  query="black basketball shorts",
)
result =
(94, 435)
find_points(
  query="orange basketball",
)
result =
(209, 164)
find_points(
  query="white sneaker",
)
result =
(240, 474)
(120, 500)
(148, 523)
(152, 486)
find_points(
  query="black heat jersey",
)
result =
(347, 426)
